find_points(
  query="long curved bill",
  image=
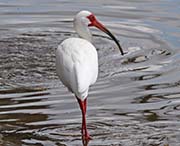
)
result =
(104, 29)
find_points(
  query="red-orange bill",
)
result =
(100, 26)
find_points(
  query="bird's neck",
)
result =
(83, 30)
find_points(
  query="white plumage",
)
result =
(77, 65)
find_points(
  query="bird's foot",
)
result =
(86, 138)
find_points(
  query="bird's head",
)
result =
(85, 19)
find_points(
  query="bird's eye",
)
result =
(91, 17)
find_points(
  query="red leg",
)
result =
(83, 106)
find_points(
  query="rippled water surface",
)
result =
(136, 100)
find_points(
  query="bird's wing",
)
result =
(77, 65)
(64, 66)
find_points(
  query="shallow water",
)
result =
(135, 101)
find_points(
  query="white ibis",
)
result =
(77, 61)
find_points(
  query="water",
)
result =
(135, 101)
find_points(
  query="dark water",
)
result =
(136, 100)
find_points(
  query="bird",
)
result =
(77, 61)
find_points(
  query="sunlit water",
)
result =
(136, 100)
